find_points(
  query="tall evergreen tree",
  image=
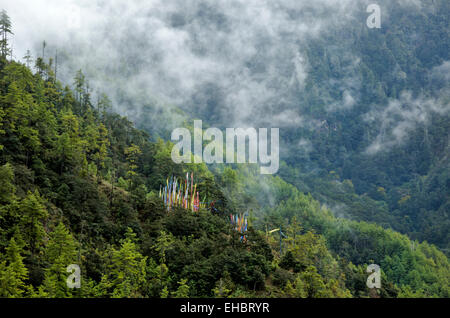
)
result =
(13, 272)
(28, 58)
(60, 252)
(5, 30)
(7, 188)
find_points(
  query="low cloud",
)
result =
(233, 61)
(401, 117)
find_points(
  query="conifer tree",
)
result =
(104, 104)
(60, 252)
(127, 271)
(133, 152)
(183, 289)
(32, 213)
(5, 30)
(79, 83)
(13, 272)
(7, 188)
(28, 58)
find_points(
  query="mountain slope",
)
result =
(79, 185)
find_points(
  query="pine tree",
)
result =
(183, 289)
(5, 29)
(28, 58)
(79, 83)
(313, 284)
(132, 154)
(32, 213)
(127, 271)
(224, 286)
(296, 289)
(7, 188)
(60, 252)
(2, 118)
(13, 272)
(164, 243)
(293, 232)
(104, 105)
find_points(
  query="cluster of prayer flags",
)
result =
(240, 224)
(179, 193)
(183, 193)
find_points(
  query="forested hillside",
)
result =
(363, 113)
(80, 184)
(382, 98)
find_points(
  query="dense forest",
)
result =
(80, 184)
(384, 159)
(363, 113)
